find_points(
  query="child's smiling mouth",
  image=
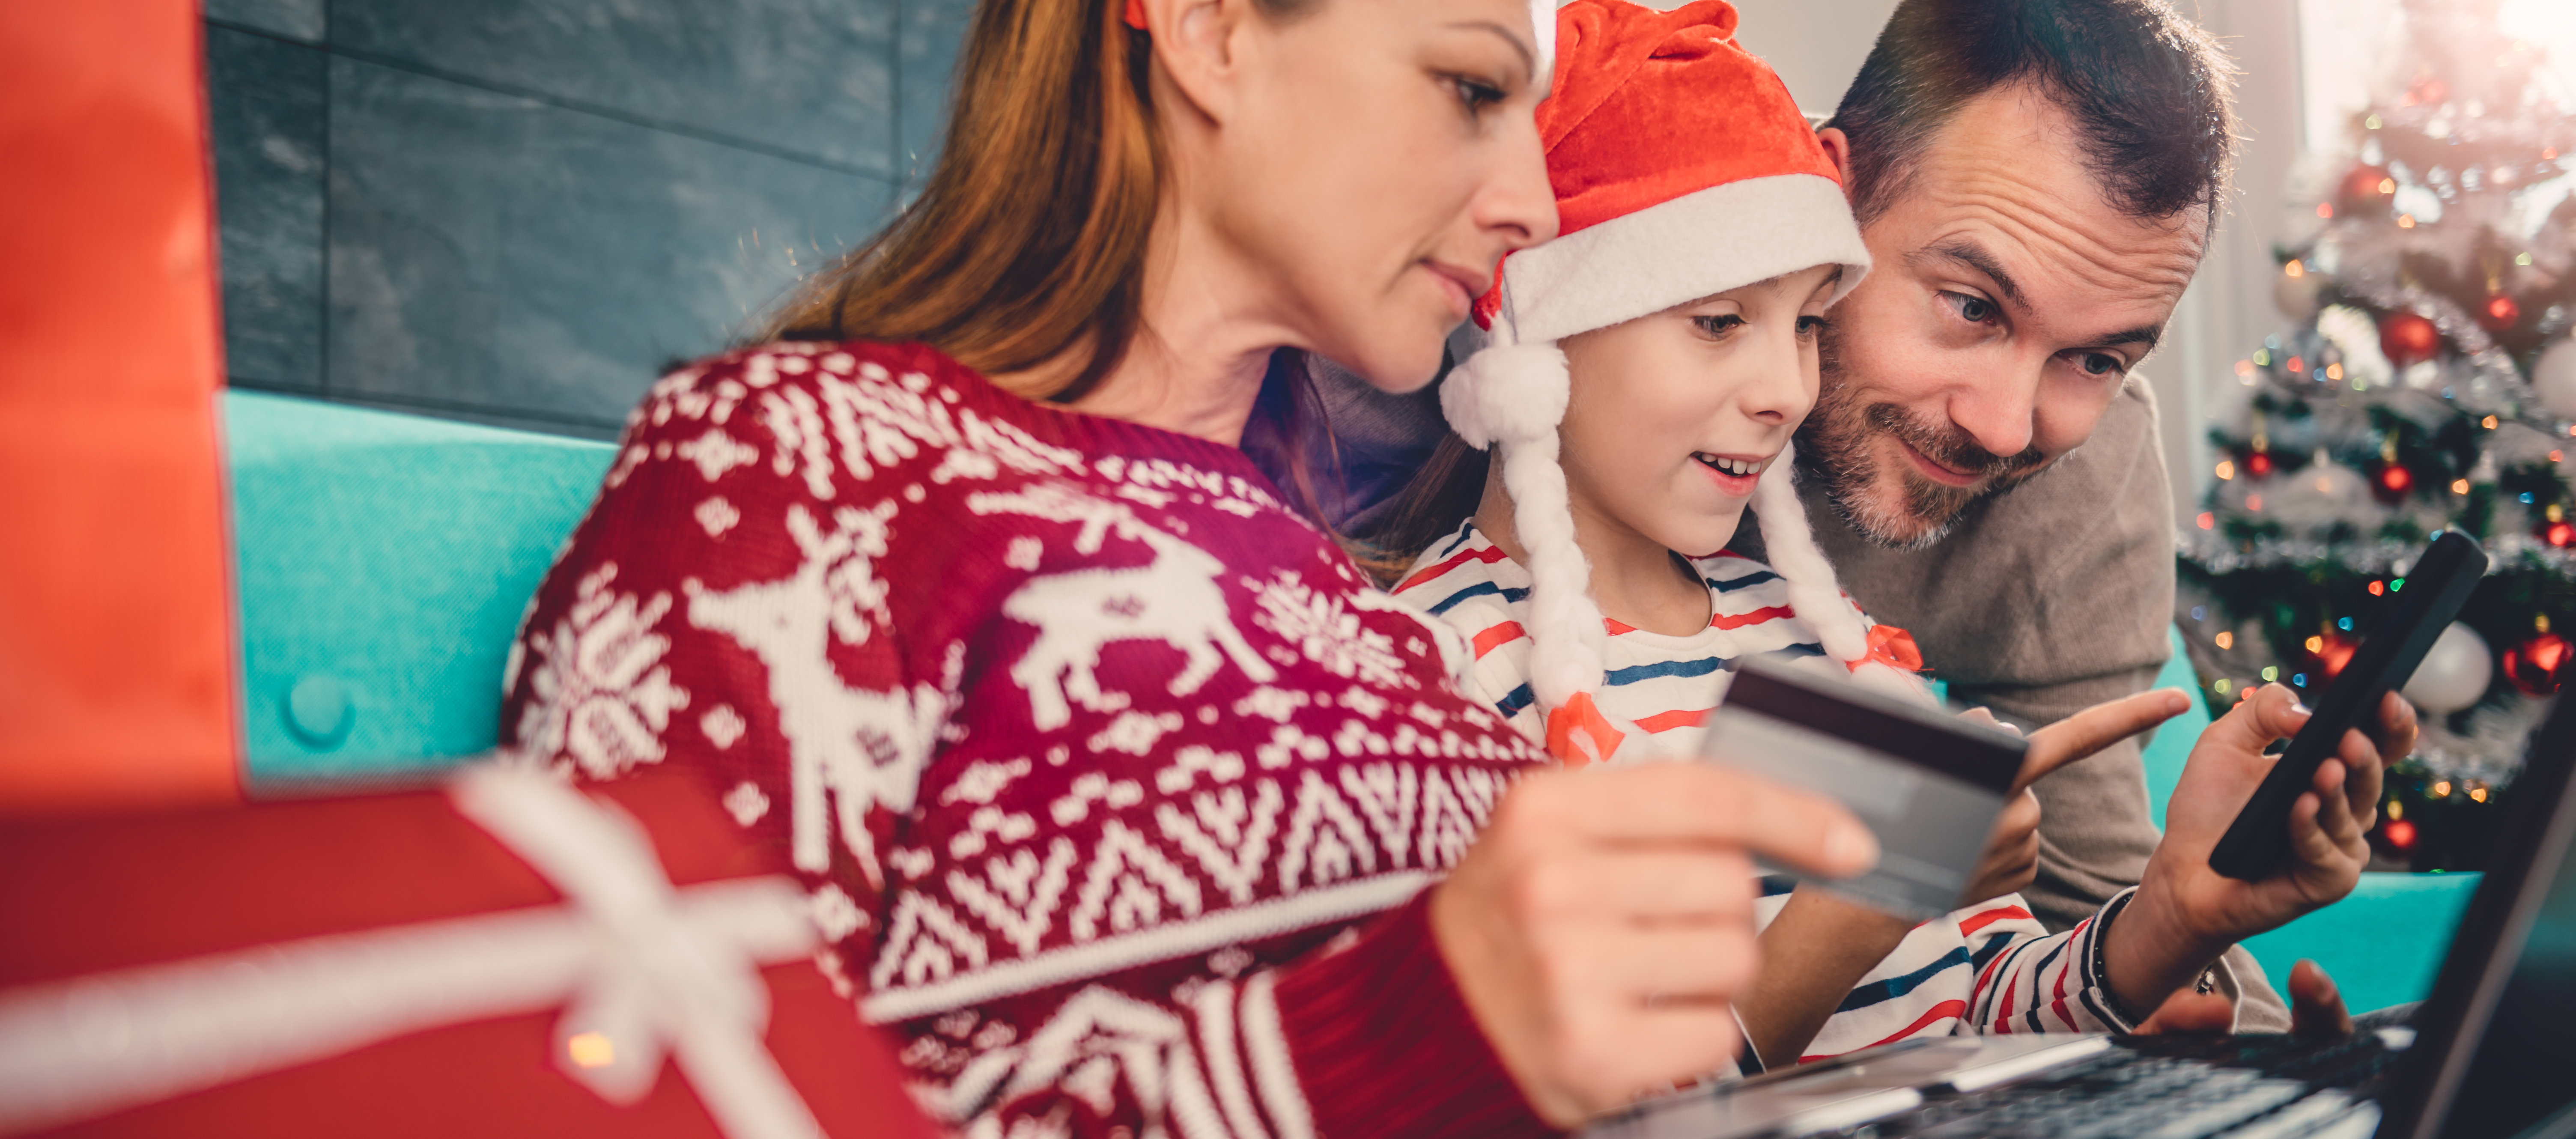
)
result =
(1733, 465)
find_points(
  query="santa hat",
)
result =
(1682, 168)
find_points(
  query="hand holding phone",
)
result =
(2430, 595)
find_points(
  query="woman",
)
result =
(1117, 785)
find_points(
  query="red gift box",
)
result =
(502, 956)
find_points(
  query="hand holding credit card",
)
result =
(1928, 784)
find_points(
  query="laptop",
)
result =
(2491, 1054)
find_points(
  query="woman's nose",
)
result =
(1517, 203)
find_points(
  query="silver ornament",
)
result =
(2296, 296)
(2553, 379)
(2454, 674)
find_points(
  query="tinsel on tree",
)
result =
(2429, 385)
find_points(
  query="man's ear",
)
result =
(1200, 45)
(1838, 149)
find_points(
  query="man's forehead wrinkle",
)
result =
(2017, 228)
(1969, 252)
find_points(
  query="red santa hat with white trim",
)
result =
(1682, 169)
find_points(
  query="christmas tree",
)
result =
(2430, 385)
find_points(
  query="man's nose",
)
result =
(2000, 411)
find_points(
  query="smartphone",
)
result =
(1929, 784)
(2258, 842)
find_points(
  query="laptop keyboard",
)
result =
(2245, 1087)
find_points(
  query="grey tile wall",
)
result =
(927, 39)
(615, 247)
(518, 211)
(269, 100)
(813, 78)
(293, 19)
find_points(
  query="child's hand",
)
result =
(2011, 856)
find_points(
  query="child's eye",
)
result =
(1974, 310)
(1810, 326)
(1475, 94)
(1718, 325)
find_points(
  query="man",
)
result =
(2036, 181)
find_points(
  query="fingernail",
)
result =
(2300, 708)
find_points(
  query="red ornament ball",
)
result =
(2536, 666)
(2258, 464)
(2361, 189)
(2559, 534)
(2407, 338)
(2390, 482)
(2400, 833)
(2499, 313)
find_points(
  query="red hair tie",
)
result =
(1136, 14)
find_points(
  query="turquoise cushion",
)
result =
(384, 561)
(2382, 944)
(2171, 745)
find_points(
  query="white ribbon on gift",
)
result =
(643, 967)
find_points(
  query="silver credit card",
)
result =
(1930, 785)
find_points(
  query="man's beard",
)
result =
(1835, 447)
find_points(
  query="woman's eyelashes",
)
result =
(1476, 95)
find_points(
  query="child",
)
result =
(1666, 344)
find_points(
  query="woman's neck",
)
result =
(1204, 341)
(1635, 580)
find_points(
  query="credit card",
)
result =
(1929, 784)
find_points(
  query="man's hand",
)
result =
(1603, 923)
(2316, 1008)
(2185, 914)
(2011, 856)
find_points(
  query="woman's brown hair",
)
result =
(1029, 240)
(1439, 496)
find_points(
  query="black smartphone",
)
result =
(2430, 595)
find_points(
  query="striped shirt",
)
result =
(1663, 684)
(1988, 967)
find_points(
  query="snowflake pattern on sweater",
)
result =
(1989, 967)
(1092, 751)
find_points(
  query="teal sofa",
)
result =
(384, 561)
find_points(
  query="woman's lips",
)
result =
(1459, 285)
(1935, 471)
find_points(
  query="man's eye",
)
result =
(1720, 324)
(2101, 364)
(1974, 310)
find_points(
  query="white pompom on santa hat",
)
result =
(1682, 169)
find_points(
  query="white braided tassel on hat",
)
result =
(1510, 397)
(1790, 546)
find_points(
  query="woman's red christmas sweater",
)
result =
(1117, 784)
